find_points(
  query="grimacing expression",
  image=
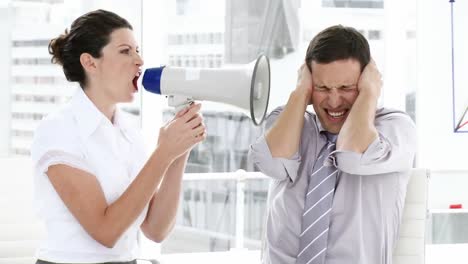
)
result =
(335, 87)
(119, 66)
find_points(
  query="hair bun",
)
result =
(56, 47)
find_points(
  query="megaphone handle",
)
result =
(179, 102)
(180, 107)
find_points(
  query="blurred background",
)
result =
(224, 198)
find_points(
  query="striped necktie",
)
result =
(318, 204)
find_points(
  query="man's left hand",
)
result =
(370, 80)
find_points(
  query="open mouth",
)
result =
(336, 115)
(135, 80)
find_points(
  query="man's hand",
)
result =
(304, 82)
(284, 136)
(359, 130)
(370, 81)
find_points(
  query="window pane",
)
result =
(354, 3)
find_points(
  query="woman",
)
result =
(95, 187)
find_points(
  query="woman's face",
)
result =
(118, 68)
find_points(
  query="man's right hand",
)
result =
(304, 82)
(284, 136)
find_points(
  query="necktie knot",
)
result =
(331, 137)
(329, 148)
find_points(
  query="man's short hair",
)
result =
(338, 43)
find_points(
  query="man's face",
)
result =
(335, 90)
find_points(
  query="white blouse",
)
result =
(80, 136)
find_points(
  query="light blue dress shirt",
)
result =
(368, 200)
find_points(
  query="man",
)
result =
(362, 154)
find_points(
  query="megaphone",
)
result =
(246, 86)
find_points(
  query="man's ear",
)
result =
(88, 62)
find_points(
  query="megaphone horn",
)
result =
(244, 86)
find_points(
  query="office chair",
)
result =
(410, 247)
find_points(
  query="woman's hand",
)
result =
(182, 133)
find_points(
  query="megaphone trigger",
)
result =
(179, 102)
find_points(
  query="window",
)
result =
(22, 133)
(31, 61)
(30, 43)
(26, 116)
(35, 98)
(353, 3)
(181, 7)
(374, 35)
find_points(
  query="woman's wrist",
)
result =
(163, 156)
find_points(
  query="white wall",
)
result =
(448, 187)
(439, 147)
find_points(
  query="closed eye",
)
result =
(348, 87)
(345, 88)
(321, 88)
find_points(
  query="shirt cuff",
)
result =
(276, 168)
(366, 163)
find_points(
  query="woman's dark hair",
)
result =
(338, 43)
(89, 33)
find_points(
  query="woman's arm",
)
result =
(163, 206)
(83, 196)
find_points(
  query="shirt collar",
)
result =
(86, 113)
(89, 117)
(122, 122)
(319, 125)
(329, 136)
